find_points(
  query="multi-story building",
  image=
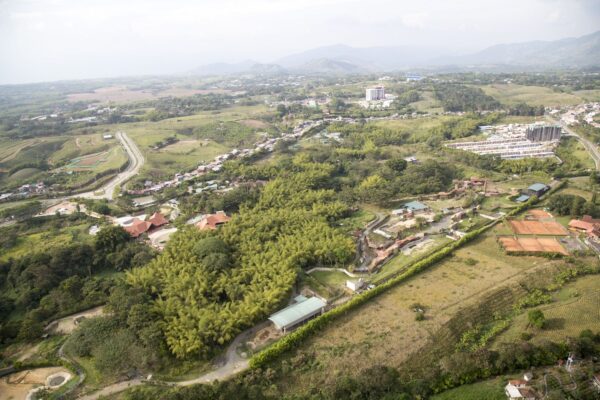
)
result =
(543, 133)
(376, 93)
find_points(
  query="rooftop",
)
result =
(537, 187)
(298, 312)
(415, 206)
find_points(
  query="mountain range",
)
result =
(581, 52)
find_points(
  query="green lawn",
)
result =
(334, 279)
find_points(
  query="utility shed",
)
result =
(297, 313)
(537, 189)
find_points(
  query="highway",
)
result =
(136, 160)
(589, 146)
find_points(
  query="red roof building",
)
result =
(213, 221)
(588, 225)
(138, 227)
(157, 219)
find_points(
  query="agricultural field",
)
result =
(510, 94)
(385, 330)
(200, 137)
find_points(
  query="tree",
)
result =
(536, 318)
(396, 164)
(110, 238)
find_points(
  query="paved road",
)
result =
(590, 147)
(136, 160)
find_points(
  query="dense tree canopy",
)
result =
(208, 286)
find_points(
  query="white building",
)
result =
(355, 285)
(376, 93)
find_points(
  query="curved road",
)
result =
(136, 160)
(233, 364)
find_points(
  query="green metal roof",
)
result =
(537, 187)
(298, 312)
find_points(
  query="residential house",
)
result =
(213, 221)
(537, 189)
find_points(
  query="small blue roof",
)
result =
(522, 198)
(537, 187)
(415, 206)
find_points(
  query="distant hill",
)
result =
(583, 51)
(579, 52)
(329, 66)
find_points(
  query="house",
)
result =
(537, 189)
(587, 225)
(518, 390)
(107, 136)
(138, 227)
(157, 219)
(355, 285)
(415, 207)
(301, 311)
(213, 221)
(411, 160)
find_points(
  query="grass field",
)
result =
(492, 389)
(81, 145)
(588, 95)
(533, 95)
(47, 240)
(574, 154)
(575, 307)
(384, 331)
(179, 157)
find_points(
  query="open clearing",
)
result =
(492, 389)
(532, 95)
(16, 386)
(576, 307)
(254, 123)
(384, 331)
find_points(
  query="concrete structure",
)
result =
(518, 390)
(355, 285)
(376, 93)
(543, 133)
(294, 315)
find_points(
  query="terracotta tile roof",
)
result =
(157, 219)
(212, 221)
(138, 227)
(591, 228)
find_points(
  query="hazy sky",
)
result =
(43, 40)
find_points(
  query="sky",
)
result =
(47, 40)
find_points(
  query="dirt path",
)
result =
(67, 324)
(233, 363)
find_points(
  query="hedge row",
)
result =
(296, 337)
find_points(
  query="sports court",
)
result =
(551, 228)
(532, 245)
